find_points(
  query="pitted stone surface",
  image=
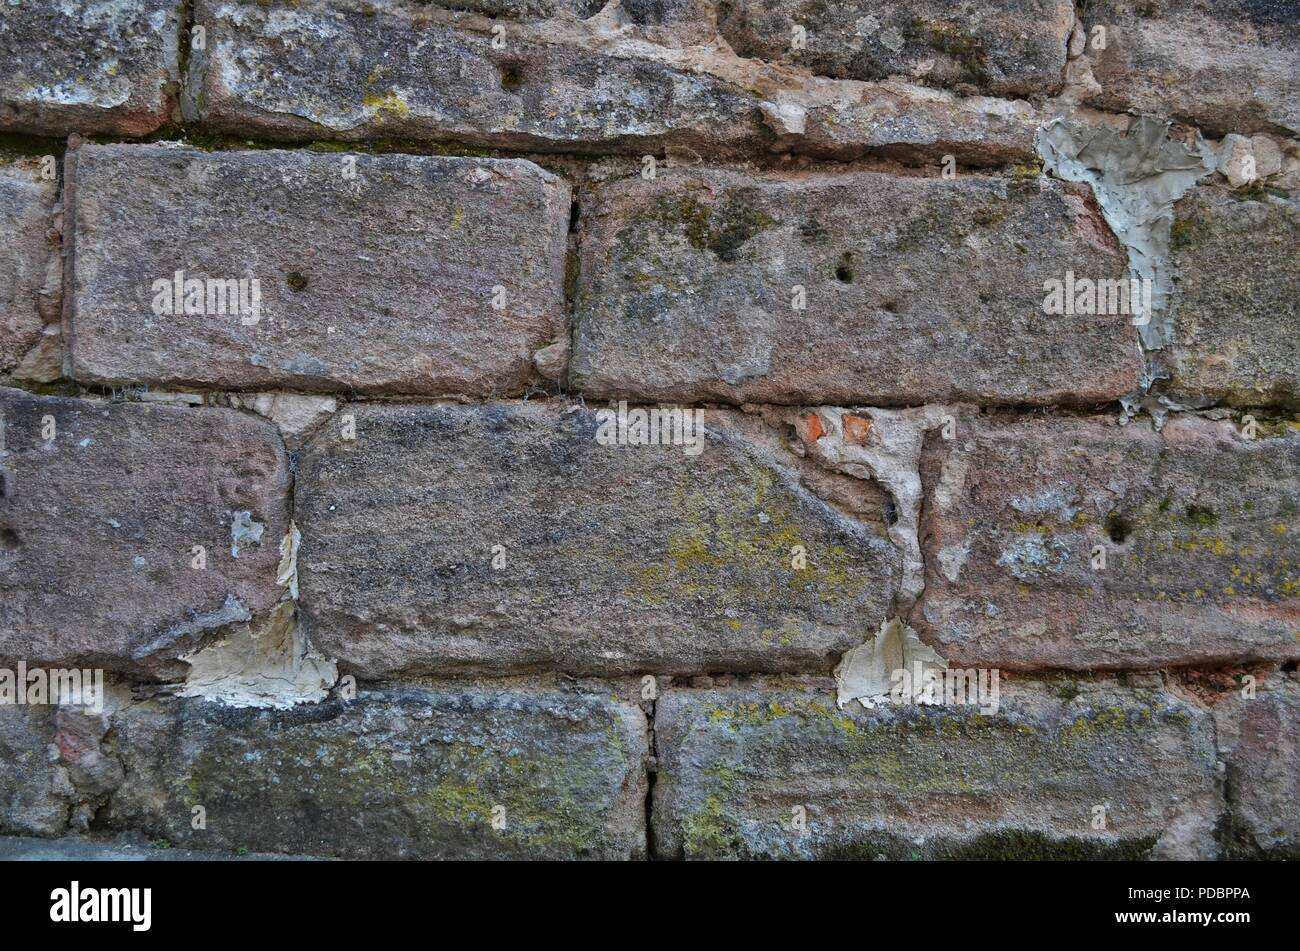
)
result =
(88, 66)
(844, 288)
(506, 537)
(1238, 299)
(318, 319)
(29, 266)
(1077, 543)
(30, 803)
(392, 273)
(412, 773)
(1228, 66)
(388, 69)
(999, 46)
(739, 766)
(99, 524)
(1258, 738)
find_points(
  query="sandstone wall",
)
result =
(316, 319)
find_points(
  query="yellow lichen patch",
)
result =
(739, 545)
(390, 102)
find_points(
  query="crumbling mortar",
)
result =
(69, 249)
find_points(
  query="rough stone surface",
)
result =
(639, 78)
(900, 121)
(931, 781)
(386, 281)
(670, 22)
(1198, 525)
(355, 70)
(612, 559)
(116, 849)
(29, 803)
(1003, 46)
(410, 773)
(29, 263)
(106, 66)
(371, 569)
(99, 522)
(1259, 737)
(1238, 299)
(523, 9)
(917, 290)
(1227, 66)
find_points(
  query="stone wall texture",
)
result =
(637, 430)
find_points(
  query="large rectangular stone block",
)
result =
(1259, 739)
(660, 84)
(88, 66)
(858, 287)
(996, 46)
(30, 799)
(459, 772)
(904, 122)
(103, 511)
(1228, 66)
(387, 69)
(29, 260)
(1238, 301)
(392, 273)
(753, 772)
(1077, 543)
(505, 536)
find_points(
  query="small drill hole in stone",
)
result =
(1118, 528)
(296, 280)
(844, 270)
(512, 77)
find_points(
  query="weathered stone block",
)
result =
(1260, 737)
(736, 765)
(127, 847)
(671, 22)
(1228, 66)
(87, 66)
(103, 505)
(392, 273)
(523, 9)
(1005, 46)
(29, 801)
(385, 69)
(1238, 299)
(29, 260)
(412, 773)
(907, 123)
(914, 290)
(503, 537)
(1195, 528)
